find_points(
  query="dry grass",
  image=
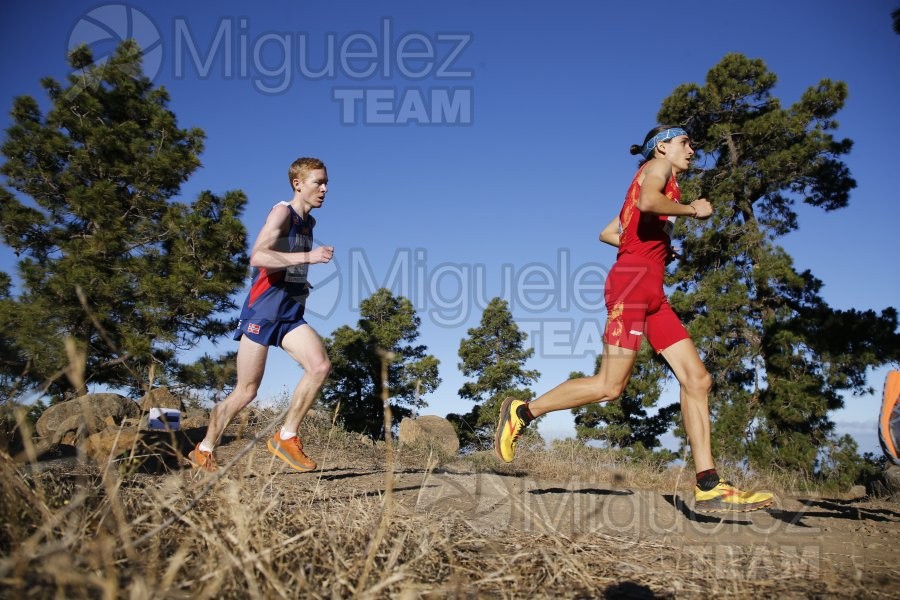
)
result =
(258, 531)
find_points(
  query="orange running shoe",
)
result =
(291, 452)
(200, 459)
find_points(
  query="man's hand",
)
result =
(703, 208)
(322, 254)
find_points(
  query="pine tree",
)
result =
(213, 377)
(495, 356)
(11, 364)
(105, 257)
(390, 324)
(780, 357)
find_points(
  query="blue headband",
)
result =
(662, 136)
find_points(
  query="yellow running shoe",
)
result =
(725, 497)
(200, 459)
(291, 452)
(509, 428)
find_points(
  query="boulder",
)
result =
(160, 398)
(111, 442)
(76, 429)
(857, 492)
(195, 418)
(88, 409)
(892, 481)
(429, 431)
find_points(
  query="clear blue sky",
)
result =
(483, 145)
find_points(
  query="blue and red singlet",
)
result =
(280, 294)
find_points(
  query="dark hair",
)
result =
(638, 149)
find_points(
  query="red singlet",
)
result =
(634, 293)
(649, 236)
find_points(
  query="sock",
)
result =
(524, 413)
(707, 480)
(204, 447)
(286, 435)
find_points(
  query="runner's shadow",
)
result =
(331, 474)
(593, 491)
(690, 515)
(629, 589)
(790, 517)
(833, 509)
(510, 473)
(849, 511)
(338, 473)
(379, 493)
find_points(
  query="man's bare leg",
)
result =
(615, 370)
(305, 346)
(251, 364)
(695, 384)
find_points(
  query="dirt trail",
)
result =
(506, 530)
(799, 537)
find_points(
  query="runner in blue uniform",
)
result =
(272, 315)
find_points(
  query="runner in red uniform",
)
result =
(638, 307)
(634, 287)
(272, 315)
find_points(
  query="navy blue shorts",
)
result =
(266, 333)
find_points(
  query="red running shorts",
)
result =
(637, 306)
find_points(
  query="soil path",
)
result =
(854, 541)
